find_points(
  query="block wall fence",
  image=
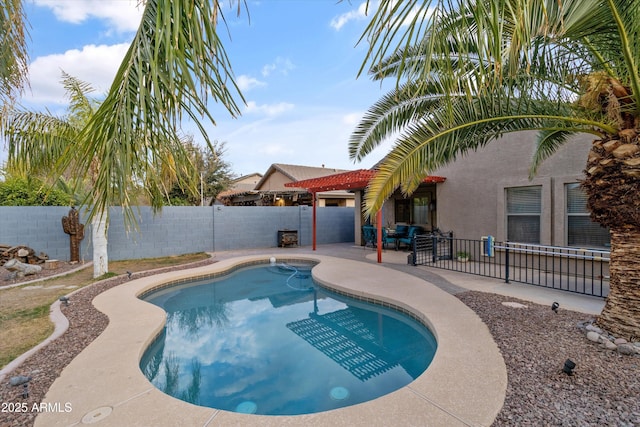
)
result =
(176, 230)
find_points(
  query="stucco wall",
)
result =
(176, 230)
(471, 201)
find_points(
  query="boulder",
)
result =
(21, 268)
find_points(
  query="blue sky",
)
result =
(295, 60)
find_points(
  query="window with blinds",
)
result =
(524, 208)
(581, 231)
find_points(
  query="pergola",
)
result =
(351, 180)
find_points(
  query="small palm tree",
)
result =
(470, 71)
(175, 63)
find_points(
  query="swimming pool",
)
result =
(267, 340)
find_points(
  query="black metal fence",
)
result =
(584, 271)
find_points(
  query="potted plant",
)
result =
(462, 256)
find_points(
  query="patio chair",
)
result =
(411, 233)
(401, 230)
(386, 239)
(369, 235)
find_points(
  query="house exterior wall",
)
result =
(274, 181)
(176, 229)
(471, 202)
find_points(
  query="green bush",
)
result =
(31, 192)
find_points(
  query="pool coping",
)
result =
(464, 385)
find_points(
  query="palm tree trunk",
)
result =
(621, 314)
(100, 225)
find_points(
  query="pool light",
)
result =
(247, 407)
(339, 393)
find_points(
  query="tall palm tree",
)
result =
(175, 64)
(469, 72)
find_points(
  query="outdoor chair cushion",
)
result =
(413, 230)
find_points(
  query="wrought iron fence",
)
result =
(584, 271)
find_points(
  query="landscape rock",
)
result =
(593, 336)
(627, 349)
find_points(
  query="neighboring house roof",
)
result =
(242, 185)
(349, 180)
(295, 173)
(251, 179)
(277, 178)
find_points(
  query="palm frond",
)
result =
(548, 142)
(14, 57)
(81, 107)
(390, 115)
(175, 64)
(446, 135)
(626, 15)
(501, 66)
(36, 141)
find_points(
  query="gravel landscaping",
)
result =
(534, 341)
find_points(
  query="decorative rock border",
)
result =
(608, 341)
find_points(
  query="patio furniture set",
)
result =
(400, 235)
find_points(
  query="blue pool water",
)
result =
(267, 340)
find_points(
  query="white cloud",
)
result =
(354, 15)
(275, 150)
(363, 12)
(123, 15)
(352, 119)
(268, 109)
(280, 65)
(311, 136)
(96, 65)
(246, 83)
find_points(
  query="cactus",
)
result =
(71, 225)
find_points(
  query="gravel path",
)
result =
(534, 342)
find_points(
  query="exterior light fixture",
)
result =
(555, 306)
(64, 300)
(569, 366)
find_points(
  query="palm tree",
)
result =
(469, 72)
(175, 63)
(38, 139)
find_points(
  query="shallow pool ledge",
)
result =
(465, 384)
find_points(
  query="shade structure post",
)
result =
(379, 234)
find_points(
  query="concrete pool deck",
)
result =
(465, 385)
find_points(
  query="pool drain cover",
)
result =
(339, 393)
(247, 407)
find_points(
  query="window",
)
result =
(420, 210)
(581, 231)
(523, 214)
(413, 211)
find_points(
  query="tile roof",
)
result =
(350, 180)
